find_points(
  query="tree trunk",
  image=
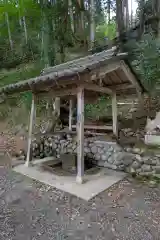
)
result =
(119, 16)
(48, 40)
(25, 29)
(45, 41)
(92, 24)
(20, 20)
(109, 11)
(82, 21)
(142, 18)
(131, 19)
(71, 15)
(126, 15)
(9, 30)
(156, 12)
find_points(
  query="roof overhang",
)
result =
(101, 69)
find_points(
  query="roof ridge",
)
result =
(74, 61)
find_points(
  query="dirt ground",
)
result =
(30, 210)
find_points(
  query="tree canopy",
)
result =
(46, 32)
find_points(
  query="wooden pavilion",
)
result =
(103, 73)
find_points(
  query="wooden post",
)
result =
(57, 105)
(32, 119)
(80, 135)
(70, 114)
(114, 115)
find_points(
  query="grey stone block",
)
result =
(110, 160)
(135, 165)
(138, 158)
(104, 157)
(68, 161)
(146, 168)
(87, 150)
(94, 149)
(90, 155)
(111, 166)
(97, 156)
(101, 150)
(86, 144)
(156, 169)
(123, 158)
(100, 163)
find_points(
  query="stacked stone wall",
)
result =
(101, 153)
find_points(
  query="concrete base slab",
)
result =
(92, 186)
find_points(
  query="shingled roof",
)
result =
(69, 70)
(73, 72)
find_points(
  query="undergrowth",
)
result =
(151, 180)
(14, 103)
(101, 108)
(22, 72)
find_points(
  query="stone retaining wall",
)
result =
(102, 153)
(144, 163)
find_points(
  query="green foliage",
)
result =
(146, 60)
(104, 30)
(33, 30)
(16, 103)
(21, 53)
(99, 13)
(94, 111)
(147, 8)
(23, 72)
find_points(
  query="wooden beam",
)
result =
(96, 88)
(73, 91)
(95, 127)
(68, 91)
(123, 86)
(69, 132)
(130, 76)
(102, 71)
(31, 124)
(80, 135)
(70, 114)
(57, 105)
(114, 115)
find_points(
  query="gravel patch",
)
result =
(30, 210)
